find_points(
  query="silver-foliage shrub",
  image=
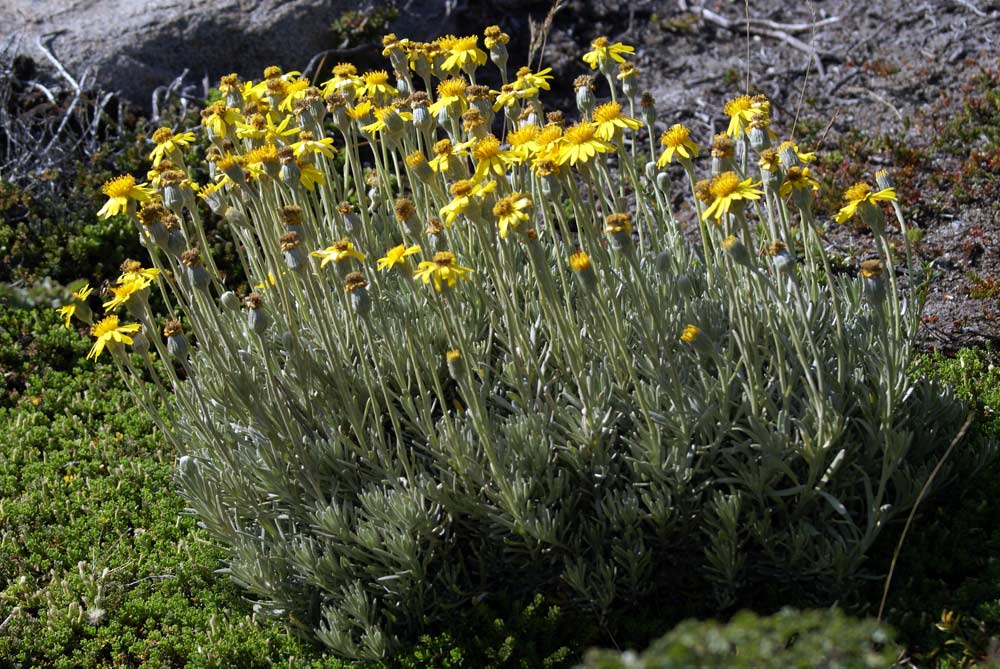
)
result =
(548, 383)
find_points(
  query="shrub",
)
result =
(787, 639)
(564, 396)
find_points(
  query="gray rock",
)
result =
(134, 46)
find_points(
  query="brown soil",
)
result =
(871, 85)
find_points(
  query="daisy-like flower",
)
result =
(610, 121)
(860, 196)
(464, 192)
(79, 304)
(345, 80)
(677, 140)
(604, 54)
(310, 176)
(124, 291)
(799, 179)
(510, 212)
(450, 96)
(533, 81)
(168, 144)
(276, 134)
(742, 109)
(306, 145)
(493, 35)
(110, 334)
(132, 269)
(727, 189)
(580, 143)
(219, 118)
(254, 128)
(463, 54)
(548, 140)
(387, 119)
(489, 158)
(443, 270)
(294, 91)
(397, 256)
(121, 191)
(444, 153)
(338, 252)
(522, 142)
(375, 84)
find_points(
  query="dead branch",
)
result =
(721, 21)
(55, 61)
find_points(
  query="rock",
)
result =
(134, 46)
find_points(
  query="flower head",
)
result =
(464, 193)
(442, 270)
(677, 140)
(489, 158)
(463, 54)
(510, 212)
(799, 179)
(727, 189)
(79, 303)
(742, 109)
(119, 191)
(580, 143)
(167, 144)
(603, 53)
(610, 121)
(375, 84)
(861, 195)
(111, 334)
(338, 252)
(397, 256)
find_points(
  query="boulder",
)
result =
(134, 46)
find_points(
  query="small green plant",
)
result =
(787, 639)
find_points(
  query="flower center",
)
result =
(580, 133)
(119, 186)
(676, 136)
(725, 184)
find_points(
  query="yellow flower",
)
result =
(450, 92)
(133, 268)
(310, 146)
(532, 81)
(464, 192)
(383, 119)
(861, 195)
(345, 77)
(294, 90)
(124, 291)
(490, 158)
(397, 256)
(109, 333)
(463, 54)
(167, 143)
(310, 175)
(277, 133)
(579, 261)
(79, 302)
(604, 53)
(219, 118)
(442, 270)
(797, 178)
(522, 142)
(610, 121)
(376, 85)
(726, 189)
(119, 191)
(510, 212)
(579, 144)
(340, 251)
(677, 140)
(443, 154)
(360, 111)
(741, 111)
(690, 334)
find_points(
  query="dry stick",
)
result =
(913, 511)
(55, 61)
(746, 5)
(794, 42)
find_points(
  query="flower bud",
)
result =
(229, 301)
(177, 344)
(140, 343)
(456, 364)
(884, 179)
(651, 171)
(357, 290)
(872, 284)
(585, 100)
(579, 262)
(737, 251)
(663, 183)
